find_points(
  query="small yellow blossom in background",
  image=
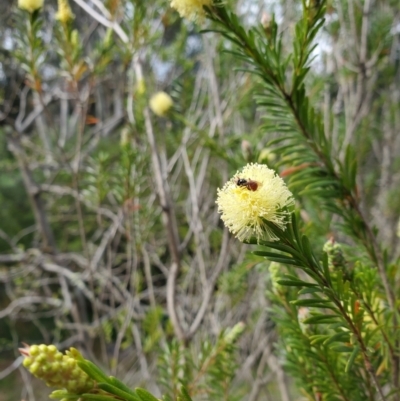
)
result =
(141, 87)
(75, 39)
(30, 5)
(253, 196)
(64, 13)
(58, 370)
(191, 9)
(232, 334)
(160, 103)
(125, 137)
(266, 156)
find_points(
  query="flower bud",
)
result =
(267, 23)
(125, 137)
(265, 20)
(234, 333)
(247, 150)
(141, 87)
(334, 251)
(75, 40)
(266, 156)
(64, 13)
(275, 273)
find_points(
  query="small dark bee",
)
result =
(249, 184)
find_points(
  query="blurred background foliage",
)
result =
(110, 240)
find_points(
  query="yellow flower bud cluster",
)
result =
(30, 5)
(234, 333)
(58, 370)
(336, 259)
(64, 13)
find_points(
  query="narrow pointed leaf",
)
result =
(97, 397)
(109, 388)
(321, 319)
(144, 395)
(93, 371)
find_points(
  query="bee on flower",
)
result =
(191, 9)
(255, 195)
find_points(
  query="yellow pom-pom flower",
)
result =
(191, 9)
(161, 103)
(64, 13)
(58, 370)
(252, 197)
(30, 5)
